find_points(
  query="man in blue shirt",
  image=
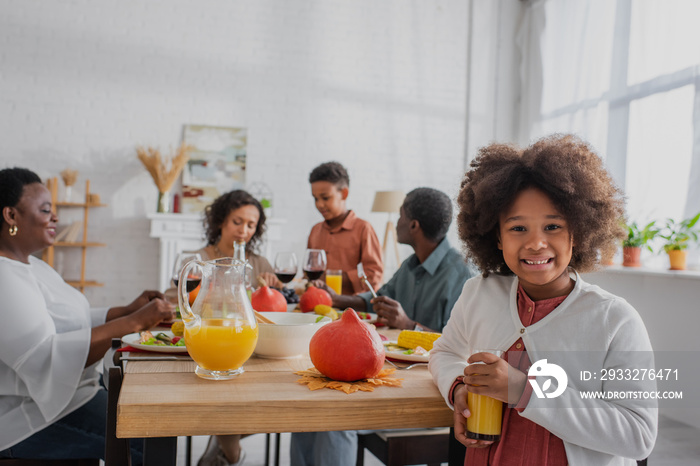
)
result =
(419, 296)
(422, 292)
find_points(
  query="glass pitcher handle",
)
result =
(182, 294)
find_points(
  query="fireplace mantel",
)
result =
(184, 232)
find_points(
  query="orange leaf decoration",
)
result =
(315, 381)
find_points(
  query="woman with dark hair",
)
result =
(51, 402)
(234, 216)
(237, 216)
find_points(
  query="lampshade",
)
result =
(388, 201)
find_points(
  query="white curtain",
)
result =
(529, 43)
(624, 75)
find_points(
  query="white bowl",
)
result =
(289, 336)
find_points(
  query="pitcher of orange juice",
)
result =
(220, 327)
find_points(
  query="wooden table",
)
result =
(161, 400)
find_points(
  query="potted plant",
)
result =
(637, 238)
(677, 236)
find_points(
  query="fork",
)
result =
(361, 275)
(405, 368)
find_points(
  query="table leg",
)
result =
(159, 451)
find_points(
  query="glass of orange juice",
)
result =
(334, 280)
(487, 413)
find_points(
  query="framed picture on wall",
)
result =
(217, 164)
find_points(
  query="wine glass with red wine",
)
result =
(314, 263)
(286, 266)
(195, 275)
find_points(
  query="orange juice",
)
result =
(334, 280)
(221, 344)
(485, 421)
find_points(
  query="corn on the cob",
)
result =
(413, 339)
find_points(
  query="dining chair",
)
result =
(402, 447)
(117, 452)
(278, 439)
(116, 449)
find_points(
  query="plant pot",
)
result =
(677, 259)
(630, 257)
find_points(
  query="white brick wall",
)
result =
(378, 86)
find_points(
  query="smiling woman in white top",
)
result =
(51, 403)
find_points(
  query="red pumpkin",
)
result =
(347, 349)
(266, 299)
(312, 297)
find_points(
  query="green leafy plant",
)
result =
(639, 237)
(678, 235)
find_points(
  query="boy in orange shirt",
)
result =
(347, 239)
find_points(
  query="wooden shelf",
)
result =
(84, 244)
(78, 204)
(80, 244)
(79, 284)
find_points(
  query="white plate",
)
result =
(133, 338)
(403, 357)
(372, 316)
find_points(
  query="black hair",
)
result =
(215, 215)
(432, 209)
(12, 183)
(563, 167)
(333, 172)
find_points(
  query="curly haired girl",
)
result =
(531, 220)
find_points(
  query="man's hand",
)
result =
(460, 417)
(391, 313)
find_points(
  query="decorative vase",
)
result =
(630, 256)
(677, 259)
(163, 202)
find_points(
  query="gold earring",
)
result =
(13, 230)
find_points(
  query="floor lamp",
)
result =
(389, 202)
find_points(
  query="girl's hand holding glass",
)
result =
(461, 414)
(496, 378)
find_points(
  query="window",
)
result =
(625, 76)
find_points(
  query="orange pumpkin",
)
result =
(347, 349)
(312, 297)
(266, 299)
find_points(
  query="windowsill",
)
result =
(652, 272)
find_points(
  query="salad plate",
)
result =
(133, 339)
(393, 351)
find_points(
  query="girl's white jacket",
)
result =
(593, 331)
